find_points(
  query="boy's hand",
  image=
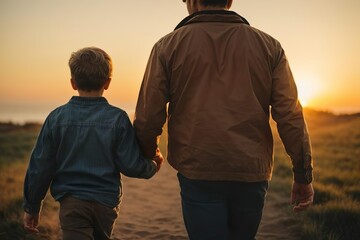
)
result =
(159, 159)
(302, 195)
(31, 222)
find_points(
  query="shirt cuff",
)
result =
(304, 176)
(32, 209)
(303, 169)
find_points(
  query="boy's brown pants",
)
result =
(84, 220)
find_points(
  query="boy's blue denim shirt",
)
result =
(81, 150)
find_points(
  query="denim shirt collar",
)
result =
(87, 100)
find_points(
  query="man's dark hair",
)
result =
(217, 3)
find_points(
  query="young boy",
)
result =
(81, 150)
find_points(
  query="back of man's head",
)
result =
(215, 3)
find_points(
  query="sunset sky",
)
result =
(321, 39)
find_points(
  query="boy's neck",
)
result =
(90, 93)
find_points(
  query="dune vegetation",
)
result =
(16, 142)
(336, 152)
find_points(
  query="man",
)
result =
(219, 77)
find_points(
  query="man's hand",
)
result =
(31, 222)
(159, 159)
(302, 196)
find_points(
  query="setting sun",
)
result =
(308, 90)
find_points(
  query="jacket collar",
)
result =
(194, 17)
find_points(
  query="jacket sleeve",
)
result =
(40, 171)
(288, 114)
(129, 160)
(150, 114)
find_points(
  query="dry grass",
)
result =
(336, 153)
(15, 146)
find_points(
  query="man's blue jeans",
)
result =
(222, 210)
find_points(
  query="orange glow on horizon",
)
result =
(37, 42)
(309, 88)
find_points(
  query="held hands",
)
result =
(31, 222)
(158, 159)
(302, 196)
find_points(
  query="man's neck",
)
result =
(210, 8)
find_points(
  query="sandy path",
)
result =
(151, 209)
(278, 222)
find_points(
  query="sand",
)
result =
(151, 209)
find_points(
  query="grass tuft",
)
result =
(336, 153)
(16, 143)
(334, 220)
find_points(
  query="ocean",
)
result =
(21, 113)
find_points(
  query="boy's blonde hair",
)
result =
(90, 68)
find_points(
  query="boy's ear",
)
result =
(107, 84)
(73, 84)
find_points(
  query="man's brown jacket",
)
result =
(216, 79)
